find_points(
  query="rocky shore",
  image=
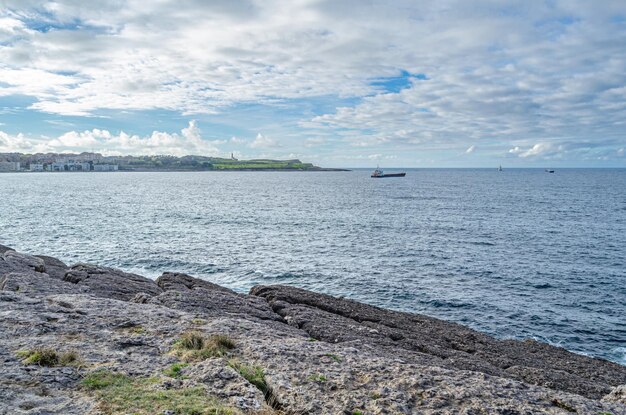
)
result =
(85, 339)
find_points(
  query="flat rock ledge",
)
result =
(318, 354)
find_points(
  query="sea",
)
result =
(517, 254)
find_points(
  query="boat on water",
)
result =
(378, 173)
(549, 170)
(500, 168)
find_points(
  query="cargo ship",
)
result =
(378, 173)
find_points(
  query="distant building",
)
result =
(36, 167)
(232, 156)
(105, 167)
(58, 166)
(9, 166)
(74, 165)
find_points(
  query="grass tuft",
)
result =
(318, 378)
(256, 376)
(49, 357)
(193, 346)
(253, 374)
(174, 371)
(191, 340)
(121, 394)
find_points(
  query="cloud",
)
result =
(189, 141)
(599, 149)
(15, 143)
(539, 149)
(262, 141)
(314, 142)
(237, 140)
(486, 74)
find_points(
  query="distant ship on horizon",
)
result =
(378, 173)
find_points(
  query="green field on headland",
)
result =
(209, 163)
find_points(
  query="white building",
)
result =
(105, 167)
(9, 166)
(36, 167)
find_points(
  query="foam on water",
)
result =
(517, 254)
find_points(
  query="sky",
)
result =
(336, 83)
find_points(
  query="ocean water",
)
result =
(517, 254)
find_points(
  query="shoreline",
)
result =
(317, 353)
(185, 170)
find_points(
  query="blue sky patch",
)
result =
(396, 84)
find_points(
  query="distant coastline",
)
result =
(96, 162)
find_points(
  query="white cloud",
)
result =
(262, 141)
(189, 141)
(314, 142)
(237, 140)
(15, 143)
(543, 149)
(496, 72)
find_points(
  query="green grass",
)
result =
(256, 376)
(318, 378)
(119, 394)
(334, 357)
(194, 346)
(261, 165)
(49, 357)
(174, 371)
(253, 374)
(191, 341)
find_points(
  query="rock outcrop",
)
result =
(109, 282)
(310, 353)
(423, 339)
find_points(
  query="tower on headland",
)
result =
(232, 156)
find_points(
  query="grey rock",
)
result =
(618, 394)
(184, 292)
(366, 360)
(35, 283)
(141, 298)
(55, 268)
(110, 283)
(177, 281)
(4, 248)
(427, 340)
(20, 261)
